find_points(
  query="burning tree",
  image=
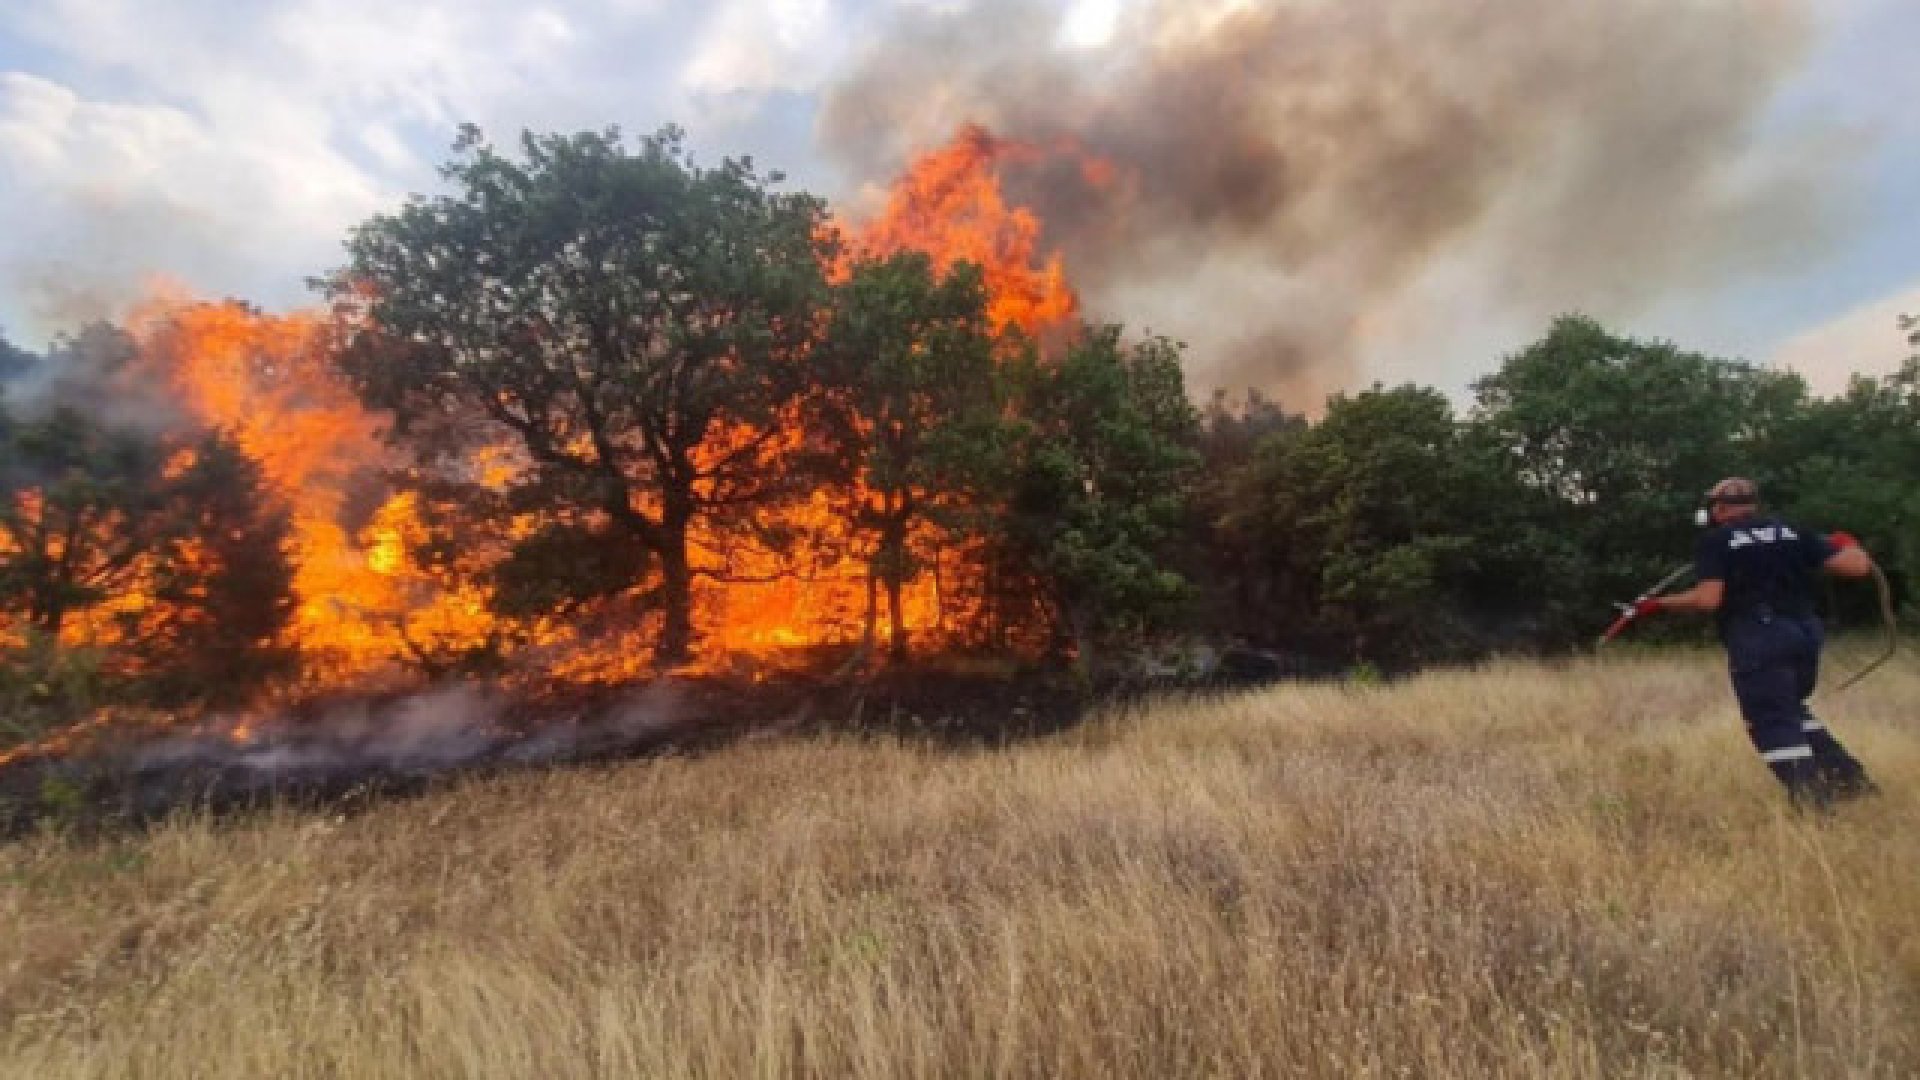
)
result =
(909, 408)
(82, 503)
(365, 599)
(136, 535)
(632, 322)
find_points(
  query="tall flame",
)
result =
(268, 381)
(363, 604)
(950, 204)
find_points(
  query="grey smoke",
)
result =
(94, 371)
(426, 732)
(651, 711)
(433, 731)
(1293, 170)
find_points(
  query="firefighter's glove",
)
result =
(1648, 605)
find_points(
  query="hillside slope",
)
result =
(1516, 871)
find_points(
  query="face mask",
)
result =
(1702, 518)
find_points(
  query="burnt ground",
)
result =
(343, 754)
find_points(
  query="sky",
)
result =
(229, 145)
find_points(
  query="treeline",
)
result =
(675, 357)
(1401, 531)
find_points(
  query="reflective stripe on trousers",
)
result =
(1775, 664)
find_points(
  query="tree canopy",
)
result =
(1387, 530)
(909, 407)
(633, 322)
(1103, 462)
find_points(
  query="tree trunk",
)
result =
(676, 597)
(50, 619)
(873, 610)
(897, 649)
(893, 563)
(939, 595)
(47, 609)
(1080, 622)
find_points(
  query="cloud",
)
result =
(231, 146)
(1865, 341)
(120, 192)
(771, 45)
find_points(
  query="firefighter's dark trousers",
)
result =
(1775, 662)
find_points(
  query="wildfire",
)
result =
(267, 380)
(364, 604)
(950, 204)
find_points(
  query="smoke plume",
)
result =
(1293, 176)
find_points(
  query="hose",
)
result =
(1889, 619)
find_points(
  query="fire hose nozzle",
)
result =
(1631, 612)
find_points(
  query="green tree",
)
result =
(908, 407)
(1102, 463)
(1619, 437)
(1232, 568)
(1848, 462)
(1389, 533)
(633, 321)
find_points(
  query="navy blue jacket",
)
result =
(1770, 568)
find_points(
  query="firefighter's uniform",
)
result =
(1773, 640)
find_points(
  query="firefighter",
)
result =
(1757, 575)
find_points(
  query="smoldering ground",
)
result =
(1295, 178)
(360, 748)
(330, 748)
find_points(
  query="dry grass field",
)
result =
(1517, 871)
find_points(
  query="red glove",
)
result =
(1648, 605)
(1841, 541)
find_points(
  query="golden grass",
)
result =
(1516, 871)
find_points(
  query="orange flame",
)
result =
(949, 203)
(363, 605)
(269, 382)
